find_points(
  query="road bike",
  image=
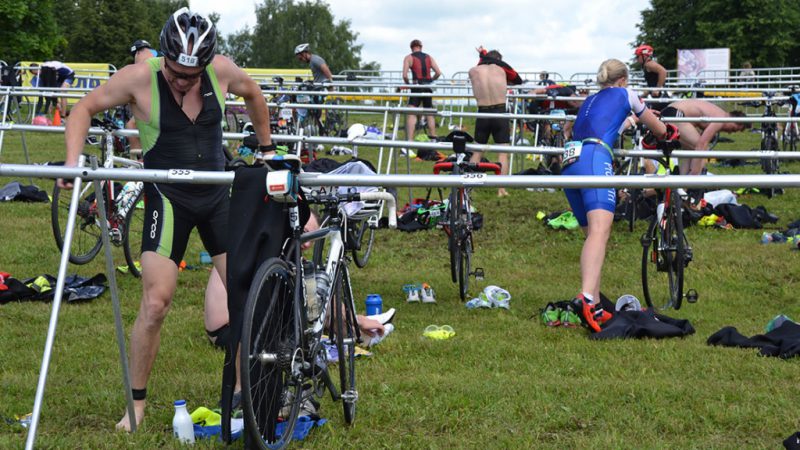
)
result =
(791, 133)
(630, 198)
(458, 223)
(285, 359)
(666, 250)
(124, 210)
(769, 138)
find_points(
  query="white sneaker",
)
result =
(383, 318)
(412, 292)
(372, 341)
(428, 296)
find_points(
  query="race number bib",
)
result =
(572, 151)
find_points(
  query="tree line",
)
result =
(765, 33)
(103, 31)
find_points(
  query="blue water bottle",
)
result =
(374, 304)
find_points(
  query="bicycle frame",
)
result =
(302, 358)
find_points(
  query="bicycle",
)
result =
(124, 216)
(666, 250)
(791, 133)
(631, 165)
(312, 119)
(769, 137)
(459, 225)
(283, 357)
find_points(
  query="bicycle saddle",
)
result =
(283, 162)
(459, 139)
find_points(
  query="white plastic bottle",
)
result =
(182, 426)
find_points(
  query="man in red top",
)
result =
(421, 65)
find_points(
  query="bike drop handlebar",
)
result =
(345, 197)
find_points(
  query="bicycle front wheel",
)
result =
(86, 239)
(465, 244)
(271, 356)
(465, 265)
(663, 258)
(132, 241)
(344, 318)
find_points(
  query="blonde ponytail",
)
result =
(610, 71)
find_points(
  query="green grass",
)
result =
(504, 380)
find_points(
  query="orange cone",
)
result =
(57, 118)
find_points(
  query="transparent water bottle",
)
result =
(127, 196)
(182, 426)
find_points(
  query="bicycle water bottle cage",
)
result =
(459, 139)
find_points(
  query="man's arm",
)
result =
(653, 66)
(406, 68)
(118, 90)
(240, 84)
(326, 71)
(436, 72)
(707, 135)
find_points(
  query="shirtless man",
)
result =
(489, 81)
(697, 136)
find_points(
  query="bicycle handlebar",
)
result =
(390, 201)
(475, 167)
(344, 197)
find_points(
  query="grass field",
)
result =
(504, 381)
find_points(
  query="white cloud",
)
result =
(567, 37)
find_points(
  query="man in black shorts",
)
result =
(489, 84)
(178, 102)
(421, 65)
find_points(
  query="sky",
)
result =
(565, 37)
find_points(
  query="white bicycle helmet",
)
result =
(184, 27)
(301, 48)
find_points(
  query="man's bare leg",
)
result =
(411, 125)
(431, 125)
(502, 158)
(159, 279)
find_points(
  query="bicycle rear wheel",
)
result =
(344, 318)
(271, 356)
(86, 239)
(770, 165)
(454, 227)
(132, 241)
(362, 244)
(664, 258)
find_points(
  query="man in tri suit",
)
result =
(178, 103)
(420, 65)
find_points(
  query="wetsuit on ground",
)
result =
(597, 127)
(170, 140)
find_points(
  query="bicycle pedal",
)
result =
(478, 273)
(692, 296)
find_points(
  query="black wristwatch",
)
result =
(267, 148)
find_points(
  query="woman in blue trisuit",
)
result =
(597, 126)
